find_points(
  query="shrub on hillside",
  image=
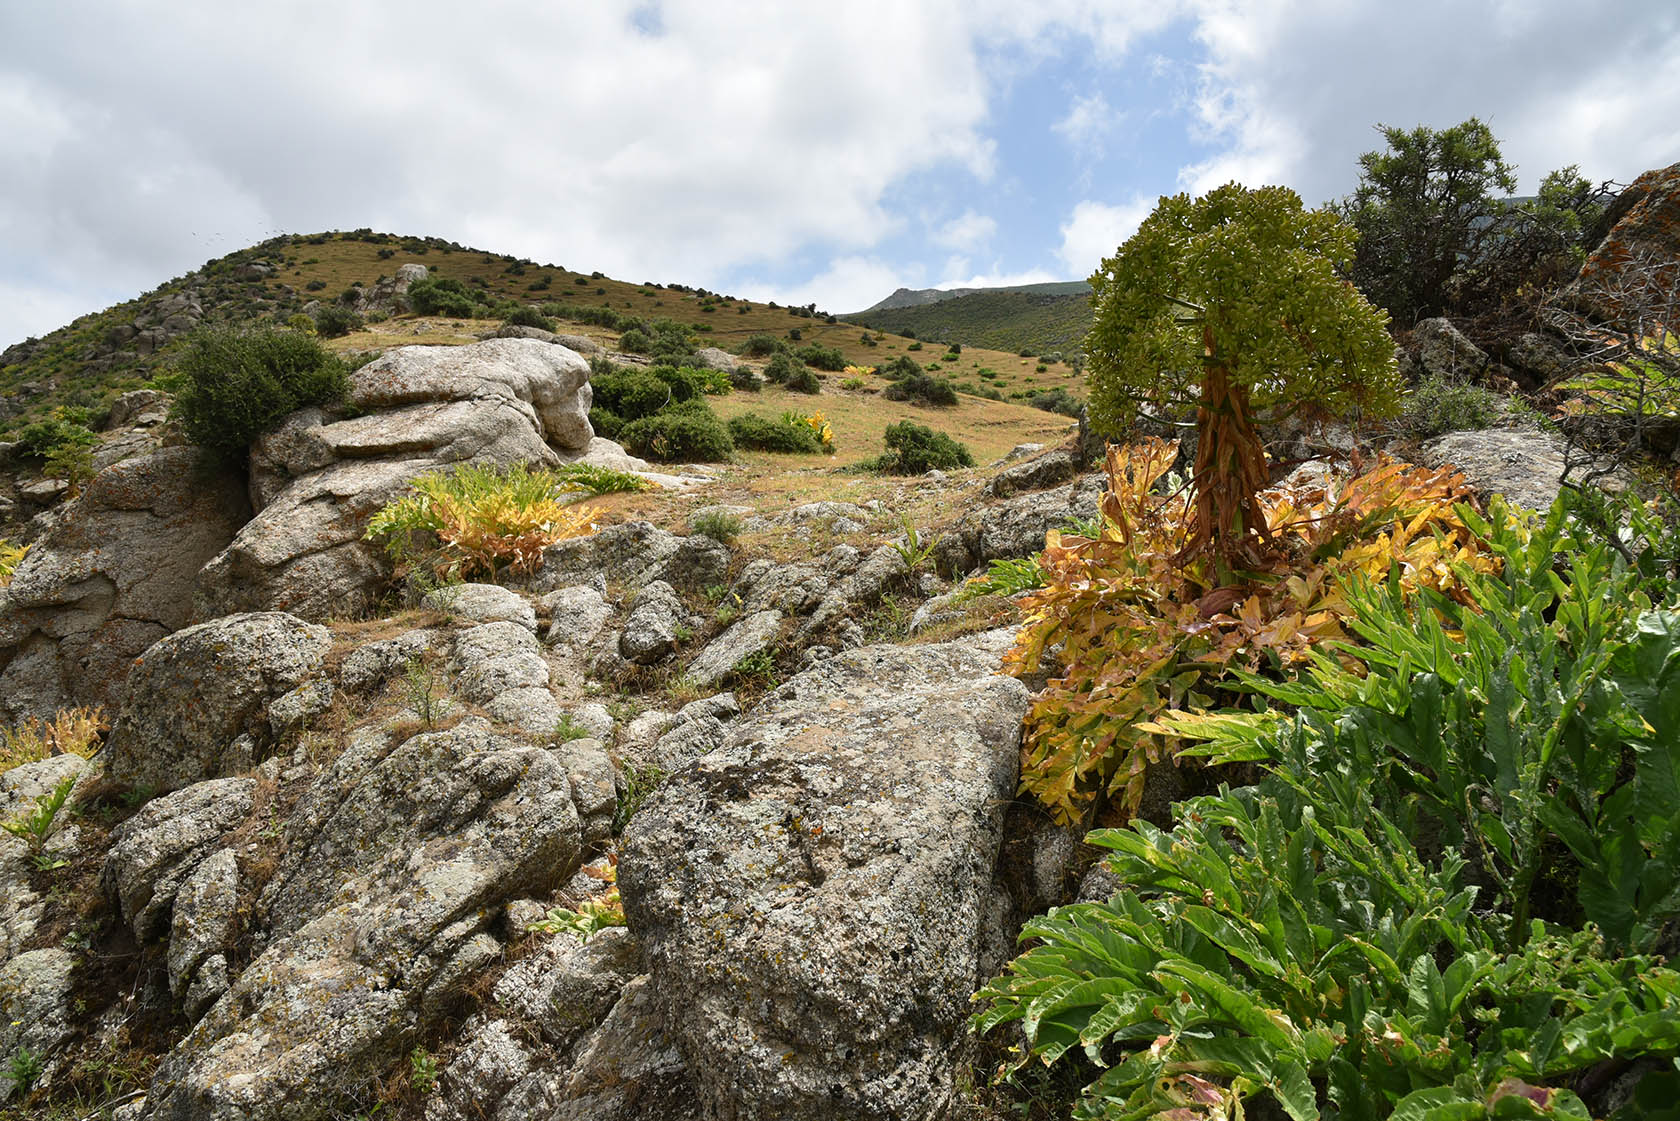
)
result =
(635, 341)
(788, 434)
(442, 295)
(922, 389)
(624, 394)
(335, 320)
(781, 367)
(914, 449)
(822, 357)
(530, 317)
(1056, 400)
(1441, 405)
(236, 385)
(803, 380)
(685, 433)
(44, 438)
(761, 346)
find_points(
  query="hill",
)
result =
(87, 363)
(1034, 319)
(918, 297)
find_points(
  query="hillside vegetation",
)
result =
(1012, 320)
(87, 363)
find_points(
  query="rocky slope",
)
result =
(335, 852)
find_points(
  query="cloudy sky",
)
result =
(775, 149)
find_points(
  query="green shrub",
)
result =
(781, 367)
(913, 449)
(1441, 405)
(741, 377)
(442, 295)
(43, 438)
(761, 346)
(822, 357)
(1056, 400)
(719, 525)
(795, 334)
(787, 434)
(635, 341)
(530, 317)
(624, 394)
(914, 346)
(803, 380)
(685, 433)
(922, 389)
(236, 385)
(587, 478)
(335, 320)
(1445, 890)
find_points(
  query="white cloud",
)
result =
(1096, 229)
(848, 284)
(969, 230)
(1088, 124)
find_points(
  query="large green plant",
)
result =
(1230, 304)
(236, 385)
(1441, 901)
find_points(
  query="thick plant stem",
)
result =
(1230, 469)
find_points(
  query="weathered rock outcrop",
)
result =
(196, 702)
(1644, 237)
(636, 554)
(397, 863)
(1015, 528)
(111, 576)
(316, 481)
(1523, 464)
(810, 893)
(154, 852)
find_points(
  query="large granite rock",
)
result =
(196, 705)
(316, 480)
(397, 863)
(1642, 243)
(1016, 527)
(634, 554)
(154, 852)
(110, 577)
(1523, 464)
(810, 894)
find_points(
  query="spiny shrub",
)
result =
(1443, 898)
(719, 525)
(913, 449)
(236, 385)
(822, 357)
(479, 520)
(442, 295)
(685, 433)
(1441, 405)
(1140, 628)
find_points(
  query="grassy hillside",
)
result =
(90, 361)
(917, 297)
(1009, 320)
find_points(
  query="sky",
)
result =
(769, 149)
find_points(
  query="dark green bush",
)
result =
(530, 317)
(41, 439)
(781, 367)
(803, 380)
(442, 295)
(1441, 405)
(922, 389)
(334, 320)
(635, 341)
(822, 357)
(685, 433)
(238, 384)
(743, 378)
(899, 368)
(783, 435)
(761, 346)
(1056, 400)
(626, 394)
(913, 449)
